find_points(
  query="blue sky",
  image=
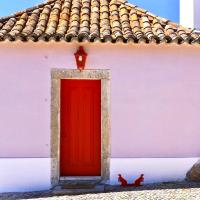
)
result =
(8, 7)
(165, 8)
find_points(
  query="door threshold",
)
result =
(80, 178)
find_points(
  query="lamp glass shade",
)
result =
(80, 57)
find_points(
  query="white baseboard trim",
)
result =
(33, 174)
(24, 174)
(155, 170)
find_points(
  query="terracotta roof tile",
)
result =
(93, 20)
(158, 30)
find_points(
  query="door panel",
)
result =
(80, 144)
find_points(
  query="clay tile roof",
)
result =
(93, 20)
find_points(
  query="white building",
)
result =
(189, 13)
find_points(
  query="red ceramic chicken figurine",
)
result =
(122, 180)
(138, 181)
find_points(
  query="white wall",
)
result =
(155, 108)
(187, 13)
(154, 169)
(24, 174)
(197, 14)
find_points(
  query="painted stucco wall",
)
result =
(189, 13)
(24, 174)
(196, 14)
(155, 107)
(154, 93)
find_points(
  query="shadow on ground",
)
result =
(108, 188)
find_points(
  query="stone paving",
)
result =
(165, 191)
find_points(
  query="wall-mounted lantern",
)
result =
(80, 56)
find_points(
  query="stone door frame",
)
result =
(90, 74)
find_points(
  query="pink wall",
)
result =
(154, 93)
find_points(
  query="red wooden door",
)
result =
(80, 142)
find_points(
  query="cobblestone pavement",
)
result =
(165, 191)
